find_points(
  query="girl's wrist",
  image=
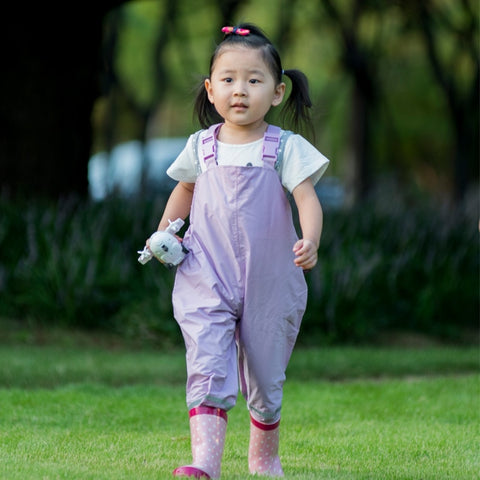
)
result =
(315, 243)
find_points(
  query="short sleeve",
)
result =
(301, 160)
(184, 167)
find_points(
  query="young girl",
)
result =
(240, 293)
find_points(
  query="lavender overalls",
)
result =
(238, 296)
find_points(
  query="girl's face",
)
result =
(242, 87)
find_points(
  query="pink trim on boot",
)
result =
(265, 426)
(191, 472)
(202, 410)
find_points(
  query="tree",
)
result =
(121, 97)
(450, 37)
(360, 61)
(48, 85)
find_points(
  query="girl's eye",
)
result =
(254, 80)
(228, 80)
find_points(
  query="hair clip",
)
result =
(236, 31)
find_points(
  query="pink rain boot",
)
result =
(263, 456)
(208, 426)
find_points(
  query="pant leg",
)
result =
(264, 349)
(206, 313)
(211, 357)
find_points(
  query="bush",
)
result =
(382, 265)
(75, 263)
(385, 265)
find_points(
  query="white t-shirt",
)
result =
(301, 160)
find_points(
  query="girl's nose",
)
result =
(240, 90)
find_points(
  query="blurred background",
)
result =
(97, 101)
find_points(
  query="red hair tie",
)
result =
(236, 31)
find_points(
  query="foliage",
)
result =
(392, 82)
(391, 264)
(74, 263)
(385, 264)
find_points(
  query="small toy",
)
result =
(165, 246)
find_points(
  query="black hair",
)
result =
(296, 107)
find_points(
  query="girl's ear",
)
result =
(278, 94)
(208, 88)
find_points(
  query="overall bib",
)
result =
(238, 296)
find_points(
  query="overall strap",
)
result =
(281, 148)
(208, 141)
(271, 142)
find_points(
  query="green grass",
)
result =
(96, 413)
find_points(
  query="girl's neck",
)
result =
(239, 134)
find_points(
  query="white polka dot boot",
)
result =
(208, 426)
(263, 456)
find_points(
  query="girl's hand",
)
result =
(147, 243)
(306, 254)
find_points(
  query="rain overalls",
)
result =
(238, 296)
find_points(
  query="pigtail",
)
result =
(296, 109)
(202, 108)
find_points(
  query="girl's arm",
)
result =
(311, 222)
(178, 205)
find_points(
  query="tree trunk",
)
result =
(359, 175)
(360, 63)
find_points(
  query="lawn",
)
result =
(349, 413)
